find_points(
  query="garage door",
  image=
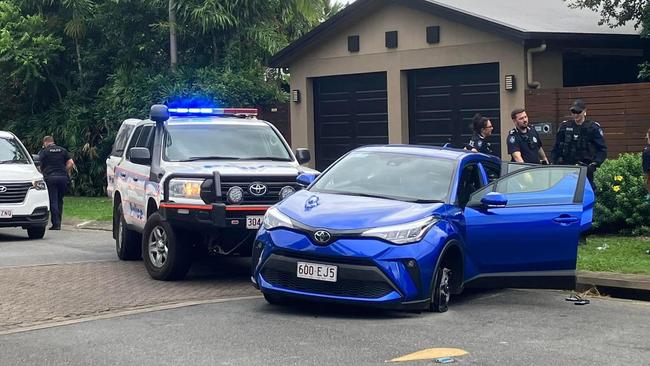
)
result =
(349, 111)
(443, 100)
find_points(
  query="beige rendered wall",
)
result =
(459, 45)
(547, 69)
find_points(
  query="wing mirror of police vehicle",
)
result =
(305, 179)
(303, 156)
(494, 200)
(36, 159)
(159, 113)
(140, 155)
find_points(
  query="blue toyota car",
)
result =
(407, 226)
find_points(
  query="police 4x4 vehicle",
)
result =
(195, 180)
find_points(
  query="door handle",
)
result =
(123, 175)
(135, 179)
(565, 219)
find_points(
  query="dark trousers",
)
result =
(57, 185)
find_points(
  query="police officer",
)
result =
(56, 164)
(524, 144)
(580, 141)
(482, 128)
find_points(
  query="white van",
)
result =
(23, 194)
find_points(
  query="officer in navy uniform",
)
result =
(524, 143)
(580, 141)
(482, 128)
(56, 164)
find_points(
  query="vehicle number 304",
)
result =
(316, 271)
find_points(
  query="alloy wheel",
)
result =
(158, 247)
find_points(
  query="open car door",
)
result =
(522, 230)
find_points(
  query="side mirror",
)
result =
(494, 200)
(140, 155)
(303, 156)
(37, 160)
(159, 113)
(305, 179)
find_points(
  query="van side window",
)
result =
(121, 139)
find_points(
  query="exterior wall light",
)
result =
(510, 82)
(295, 96)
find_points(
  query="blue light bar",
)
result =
(213, 111)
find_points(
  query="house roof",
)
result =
(525, 20)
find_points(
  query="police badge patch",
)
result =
(512, 139)
(534, 139)
(471, 143)
(601, 131)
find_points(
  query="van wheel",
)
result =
(36, 232)
(127, 242)
(165, 256)
(440, 291)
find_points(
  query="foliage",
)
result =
(75, 69)
(616, 13)
(615, 254)
(621, 205)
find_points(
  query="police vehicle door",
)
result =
(136, 178)
(116, 156)
(532, 240)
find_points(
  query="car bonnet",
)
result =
(343, 212)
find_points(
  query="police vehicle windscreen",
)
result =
(389, 175)
(12, 153)
(192, 142)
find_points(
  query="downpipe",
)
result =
(529, 65)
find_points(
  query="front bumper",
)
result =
(38, 218)
(204, 218)
(369, 271)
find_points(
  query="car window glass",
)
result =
(11, 152)
(469, 182)
(391, 175)
(121, 140)
(540, 186)
(133, 140)
(145, 135)
(214, 141)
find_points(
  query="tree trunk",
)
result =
(173, 53)
(81, 77)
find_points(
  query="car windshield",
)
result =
(389, 175)
(11, 152)
(223, 142)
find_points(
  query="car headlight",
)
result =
(275, 219)
(39, 185)
(185, 188)
(403, 233)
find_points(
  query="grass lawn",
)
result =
(88, 208)
(616, 254)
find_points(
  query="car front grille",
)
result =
(273, 186)
(13, 192)
(357, 281)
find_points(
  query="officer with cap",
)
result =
(524, 144)
(56, 164)
(580, 141)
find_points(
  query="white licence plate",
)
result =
(315, 271)
(254, 222)
(7, 214)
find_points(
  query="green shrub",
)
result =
(621, 205)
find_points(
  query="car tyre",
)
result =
(441, 292)
(36, 232)
(127, 242)
(165, 255)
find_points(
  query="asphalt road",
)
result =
(505, 327)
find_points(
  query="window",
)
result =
(539, 186)
(133, 140)
(11, 152)
(121, 139)
(470, 181)
(145, 136)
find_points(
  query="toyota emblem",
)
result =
(322, 236)
(257, 189)
(3, 189)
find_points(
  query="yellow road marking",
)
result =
(431, 353)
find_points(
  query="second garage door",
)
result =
(349, 111)
(443, 100)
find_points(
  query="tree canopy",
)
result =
(75, 69)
